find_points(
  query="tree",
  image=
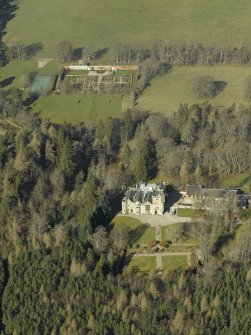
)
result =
(64, 50)
(66, 158)
(204, 304)
(99, 239)
(3, 54)
(248, 87)
(204, 87)
(178, 322)
(120, 236)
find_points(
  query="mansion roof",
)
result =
(144, 193)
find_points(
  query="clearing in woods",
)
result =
(165, 93)
(106, 23)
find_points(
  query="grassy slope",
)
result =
(167, 92)
(77, 108)
(139, 233)
(105, 23)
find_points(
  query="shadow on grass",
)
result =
(7, 13)
(224, 240)
(77, 53)
(137, 233)
(32, 49)
(30, 100)
(100, 53)
(7, 82)
(219, 86)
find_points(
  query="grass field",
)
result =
(144, 263)
(78, 108)
(105, 23)
(139, 233)
(174, 262)
(167, 92)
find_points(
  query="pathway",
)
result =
(158, 233)
(155, 220)
(159, 262)
(44, 61)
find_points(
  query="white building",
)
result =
(144, 199)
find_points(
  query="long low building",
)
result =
(197, 196)
(145, 199)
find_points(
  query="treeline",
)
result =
(183, 53)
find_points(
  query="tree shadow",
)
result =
(33, 48)
(220, 85)
(137, 233)
(7, 13)
(30, 100)
(172, 197)
(77, 53)
(100, 53)
(7, 82)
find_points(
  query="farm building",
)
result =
(198, 196)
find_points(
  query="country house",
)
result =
(145, 199)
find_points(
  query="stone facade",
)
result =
(144, 199)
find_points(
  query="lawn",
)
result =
(76, 108)
(139, 233)
(167, 92)
(106, 23)
(144, 263)
(13, 72)
(169, 232)
(174, 262)
(190, 213)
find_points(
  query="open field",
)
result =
(78, 108)
(103, 24)
(139, 233)
(143, 263)
(167, 92)
(174, 262)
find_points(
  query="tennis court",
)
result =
(41, 85)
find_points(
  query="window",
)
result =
(147, 208)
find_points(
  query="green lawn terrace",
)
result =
(174, 262)
(139, 233)
(143, 264)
